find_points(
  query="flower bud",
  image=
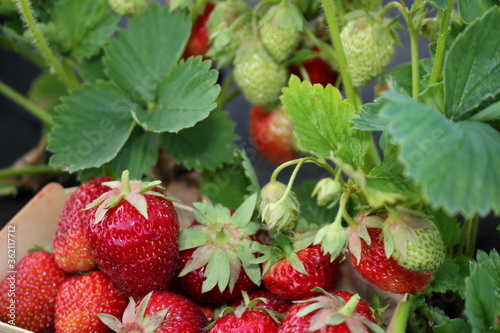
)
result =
(278, 212)
(326, 190)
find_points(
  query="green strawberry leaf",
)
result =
(441, 4)
(46, 90)
(447, 277)
(453, 326)
(186, 96)
(491, 263)
(81, 28)
(433, 97)
(387, 182)
(311, 216)
(138, 155)
(207, 145)
(94, 124)
(448, 226)
(471, 77)
(399, 78)
(490, 113)
(322, 122)
(370, 120)
(140, 58)
(92, 70)
(441, 156)
(231, 183)
(472, 9)
(480, 303)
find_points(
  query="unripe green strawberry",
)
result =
(279, 212)
(280, 30)
(369, 47)
(128, 7)
(327, 191)
(259, 77)
(228, 27)
(413, 241)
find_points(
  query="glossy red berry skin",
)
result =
(274, 303)
(386, 273)
(28, 293)
(251, 321)
(318, 70)
(82, 297)
(272, 134)
(289, 284)
(140, 255)
(199, 40)
(71, 249)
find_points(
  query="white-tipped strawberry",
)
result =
(413, 240)
(279, 209)
(280, 30)
(217, 255)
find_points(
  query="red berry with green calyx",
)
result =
(133, 236)
(81, 298)
(158, 312)
(272, 134)
(368, 257)
(71, 248)
(318, 70)
(248, 317)
(268, 300)
(280, 30)
(335, 312)
(28, 292)
(217, 255)
(299, 267)
(413, 240)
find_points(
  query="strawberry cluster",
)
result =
(120, 262)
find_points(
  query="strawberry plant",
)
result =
(407, 178)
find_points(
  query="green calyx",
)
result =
(251, 305)
(134, 320)
(279, 209)
(125, 190)
(360, 232)
(222, 243)
(327, 191)
(413, 240)
(330, 310)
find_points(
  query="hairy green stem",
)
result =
(31, 170)
(390, 6)
(35, 110)
(331, 18)
(470, 239)
(441, 43)
(415, 73)
(25, 9)
(402, 317)
(339, 4)
(276, 171)
(373, 153)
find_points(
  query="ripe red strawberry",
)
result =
(272, 302)
(350, 313)
(248, 317)
(134, 237)
(272, 134)
(216, 254)
(159, 312)
(28, 292)
(198, 43)
(82, 297)
(318, 70)
(71, 248)
(369, 259)
(293, 276)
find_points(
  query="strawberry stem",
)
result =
(125, 188)
(348, 309)
(27, 15)
(441, 43)
(330, 13)
(22, 101)
(402, 317)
